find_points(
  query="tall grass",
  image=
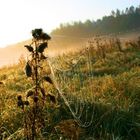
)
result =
(102, 92)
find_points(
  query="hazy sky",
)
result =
(19, 17)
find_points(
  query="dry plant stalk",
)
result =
(34, 104)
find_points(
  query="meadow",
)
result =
(97, 91)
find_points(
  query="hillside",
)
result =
(58, 45)
(101, 87)
(12, 53)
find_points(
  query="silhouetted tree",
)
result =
(113, 13)
(118, 21)
(118, 13)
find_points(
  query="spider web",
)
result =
(73, 75)
(73, 79)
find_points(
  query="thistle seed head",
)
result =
(36, 99)
(19, 97)
(26, 103)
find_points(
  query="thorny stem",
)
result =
(36, 92)
(36, 69)
(32, 70)
(25, 122)
(33, 125)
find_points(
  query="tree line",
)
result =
(118, 21)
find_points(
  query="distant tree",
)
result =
(131, 10)
(113, 13)
(126, 11)
(118, 21)
(118, 13)
(88, 23)
(122, 13)
(137, 11)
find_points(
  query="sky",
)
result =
(19, 17)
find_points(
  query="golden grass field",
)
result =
(101, 86)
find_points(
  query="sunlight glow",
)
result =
(19, 17)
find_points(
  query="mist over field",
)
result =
(57, 46)
(124, 24)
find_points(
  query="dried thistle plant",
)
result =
(34, 104)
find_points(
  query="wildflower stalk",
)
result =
(33, 117)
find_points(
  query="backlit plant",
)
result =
(36, 96)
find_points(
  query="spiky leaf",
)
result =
(29, 48)
(28, 70)
(42, 47)
(43, 57)
(29, 93)
(43, 92)
(48, 79)
(52, 98)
